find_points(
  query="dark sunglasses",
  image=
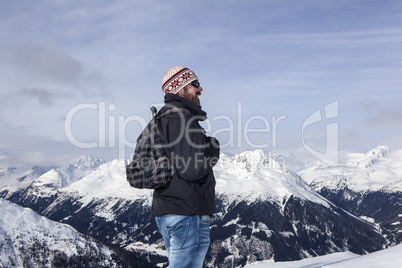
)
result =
(195, 84)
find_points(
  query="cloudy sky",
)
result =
(307, 77)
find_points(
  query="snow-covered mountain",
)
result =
(367, 184)
(64, 176)
(43, 188)
(253, 175)
(30, 240)
(265, 211)
(375, 170)
(14, 179)
(263, 203)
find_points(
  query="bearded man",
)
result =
(184, 207)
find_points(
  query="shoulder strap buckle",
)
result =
(154, 111)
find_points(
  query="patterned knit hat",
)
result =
(177, 78)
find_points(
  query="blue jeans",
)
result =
(186, 239)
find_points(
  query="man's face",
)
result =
(191, 92)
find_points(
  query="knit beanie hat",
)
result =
(177, 78)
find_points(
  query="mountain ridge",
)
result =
(368, 185)
(265, 211)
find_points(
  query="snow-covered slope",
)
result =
(17, 179)
(14, 179)
(30, 240)
(254, 175)
(387, 258)
(376, 170)
(64, 176)
(108, 182)
(45, 186)
(248, 176)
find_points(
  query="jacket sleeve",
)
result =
(193, 153)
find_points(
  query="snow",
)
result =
(248, 176)
(45, 179)
(139, 246)
(64, 176)
(375, 170)
(254, 175)
(387, 258)
(13, 179)
(108, 181)
(21, 227)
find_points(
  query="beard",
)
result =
(184, 93)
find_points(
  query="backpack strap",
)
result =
(153, 110)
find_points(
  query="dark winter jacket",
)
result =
(193, 154)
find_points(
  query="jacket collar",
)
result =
(176, 100)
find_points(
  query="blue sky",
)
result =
(259, 62)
